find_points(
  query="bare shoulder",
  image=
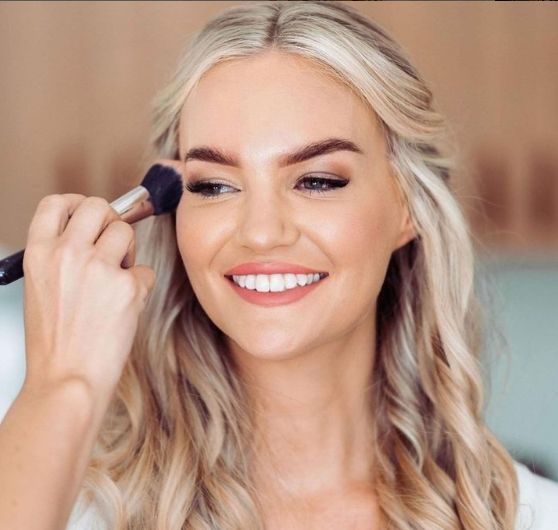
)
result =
(538, 501)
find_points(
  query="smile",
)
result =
(275, 289)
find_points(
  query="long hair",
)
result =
(174, 449)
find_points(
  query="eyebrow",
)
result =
(322, 147)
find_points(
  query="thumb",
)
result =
(145, 278)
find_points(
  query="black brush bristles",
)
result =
(165, 186)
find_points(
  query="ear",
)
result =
(407, 230)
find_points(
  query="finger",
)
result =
(52, 215)
(116, 244)
(89, 220)
(145, 276)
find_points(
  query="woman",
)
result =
(309, 149)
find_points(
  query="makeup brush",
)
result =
(159, 192)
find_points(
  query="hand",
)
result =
(82, 293)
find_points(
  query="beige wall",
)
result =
(78, 78)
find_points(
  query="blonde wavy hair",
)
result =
(174, 449)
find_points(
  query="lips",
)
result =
(270, 268)
(274, 298)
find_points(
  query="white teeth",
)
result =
(262, 283)
(274, 283)
(250, 282)
(290, 281)
(277, 283)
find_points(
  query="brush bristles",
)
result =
(165, 187)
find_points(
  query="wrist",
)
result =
(69, 394)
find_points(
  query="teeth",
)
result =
(264, 283)
(275, 283)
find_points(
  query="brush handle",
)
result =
(133, 206)
(11, 268)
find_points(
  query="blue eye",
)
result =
(206, 188)
(323, 184)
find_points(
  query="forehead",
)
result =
(271, 100)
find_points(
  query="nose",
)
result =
(266, 220)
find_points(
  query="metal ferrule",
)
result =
(134, 205)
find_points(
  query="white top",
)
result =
(538, 505)
(538, 501)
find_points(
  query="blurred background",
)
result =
(75, 100)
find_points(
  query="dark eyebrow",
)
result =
(322, 147)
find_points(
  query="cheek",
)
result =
(362, 239)
(193, 237)
(365, 228)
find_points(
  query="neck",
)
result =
(312, 414)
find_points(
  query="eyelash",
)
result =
(200, 186)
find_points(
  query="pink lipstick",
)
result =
(276, 267)
(271, 298)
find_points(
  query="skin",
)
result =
(307, 364)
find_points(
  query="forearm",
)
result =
(46, 439)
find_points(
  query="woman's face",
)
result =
(257, 110)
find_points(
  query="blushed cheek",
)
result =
(201, 233)
(364, 243)
(190, 237)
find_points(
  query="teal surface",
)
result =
(522, 405)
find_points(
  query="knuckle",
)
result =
(51, 201)
(126, 229)
(120, 233)
(129, 287)
(97, 203)
(143, 294)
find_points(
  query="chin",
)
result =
(265, 348)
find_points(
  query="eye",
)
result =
(323, 184)
(207, 189)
